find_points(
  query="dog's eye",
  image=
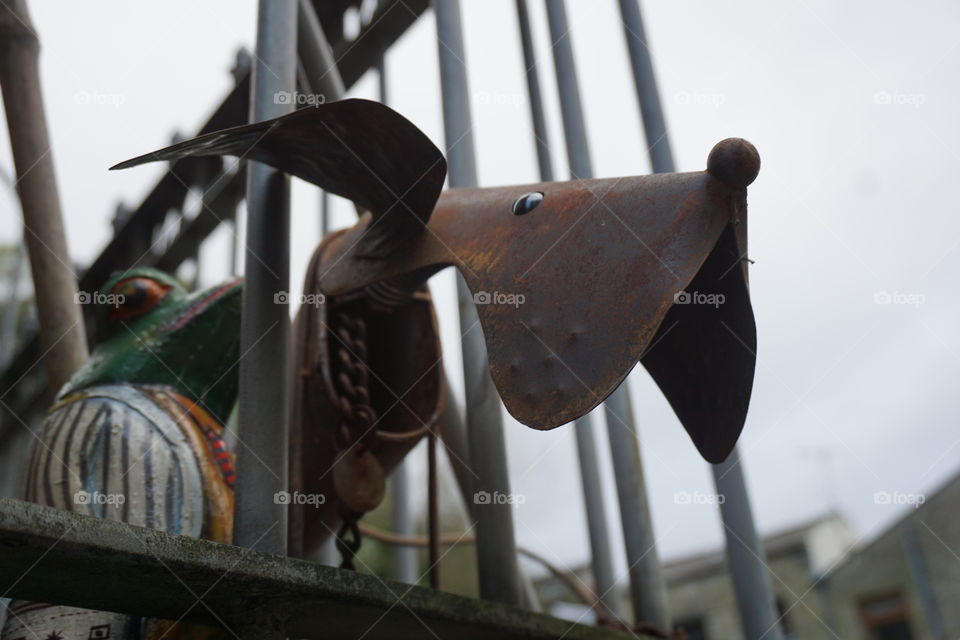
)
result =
(527, 203)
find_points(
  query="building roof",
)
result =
(779, 543)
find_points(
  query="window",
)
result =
(886, 618)
(693, 627)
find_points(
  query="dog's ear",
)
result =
(358, 149)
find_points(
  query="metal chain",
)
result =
(352, 381)
(358, 416)
(349, 546)
(357, 429)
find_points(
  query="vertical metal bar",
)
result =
(327, 554)
(496, 545)
(744, 550)
(453, 432)
(645, 81)
(259, 520)
(8, 327)
(584, 428)
(647, 590)
(533, 92)
(601, 557)
(920, 573)
(316, 54)
(405, 557)
(233, 264)
(433, 511)
(748, 567)
(325, 213)
(571, 108)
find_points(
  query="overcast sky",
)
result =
(853, 107)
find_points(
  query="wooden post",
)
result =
(62, 335)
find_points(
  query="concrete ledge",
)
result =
(54, 556)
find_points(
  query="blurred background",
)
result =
(853, 230)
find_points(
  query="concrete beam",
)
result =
(54, 556)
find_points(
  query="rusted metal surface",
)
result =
(572, 290)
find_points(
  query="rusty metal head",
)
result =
(575, 282)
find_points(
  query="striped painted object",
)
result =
(144, 455)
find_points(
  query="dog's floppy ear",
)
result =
(358, 149)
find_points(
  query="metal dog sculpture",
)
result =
(611, 271)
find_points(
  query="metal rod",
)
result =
(600, 553)
(645, 81)
(316, 54)
(433, 508)
(11, 312)
(320, 67)
(496, 544)
(544, 160)
(647, 590)
(327, 554)
(752, 581)
(745, 556)
(601, 558)
(259, 521)
(404, 558)
(325, 213)
(453, 432)
(568, 86)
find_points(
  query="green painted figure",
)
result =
(137, 435)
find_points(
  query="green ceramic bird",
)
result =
(137, 435)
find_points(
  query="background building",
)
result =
(903, 584)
